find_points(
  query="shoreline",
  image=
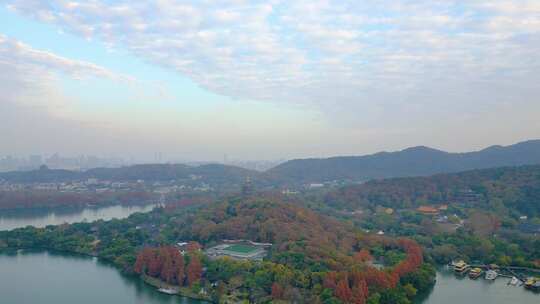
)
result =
(71, 207)
(186, 292)
(151, 282)
(181, 291)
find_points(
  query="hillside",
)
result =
(509, 190)
(290, 227)
(313, 259)
(416, 161)
(212, 173)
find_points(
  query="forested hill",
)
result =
(416, 161)
(212, 173)
(510, 191)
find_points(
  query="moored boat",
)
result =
(491, 275)
(533, 284)
(514, 281)
(170, 291)
(475, 273)
(461, 267)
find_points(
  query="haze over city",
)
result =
(266, 79)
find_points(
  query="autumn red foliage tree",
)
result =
(167, 271)
(165, 263)
(343, 291)
(194, 270)
(154, 264)
(179, 267)
(376, 278)
(363, 256)
(360, 292)
(143, 258)
(353, 286)
(277, 291)
(412, 262)
(330, 280)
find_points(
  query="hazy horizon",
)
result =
(164, 158)
(266, 80)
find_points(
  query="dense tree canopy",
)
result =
(314, 258)
(513, 189)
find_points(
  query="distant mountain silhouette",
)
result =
(211, 173)
(415, 161)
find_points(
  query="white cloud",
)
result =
(17, 53)
(359, 54)
(30, 77)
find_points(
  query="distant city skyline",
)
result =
(266, 80)
(32, 161)
(83, 162)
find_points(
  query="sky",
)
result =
(272, 79)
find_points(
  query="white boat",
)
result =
(170, 291)
(491, 275)
(514, 281)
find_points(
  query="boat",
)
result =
(170, 291)
(461, 267)
(533, 284)
(536, 286)
(491, 275)
(475, 273)
(514, 281)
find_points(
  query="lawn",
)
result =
(241, 248)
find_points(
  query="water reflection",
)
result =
(48, 277)
(451, 289)
(41, 218)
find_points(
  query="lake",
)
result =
(43, 277)
(48, 278)
(40, 218)
(451, 289)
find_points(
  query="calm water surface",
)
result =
(41, 277)
(48, 278)
(450, 289)
(41, 218)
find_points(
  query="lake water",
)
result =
(42, 277)
(41, 218)
(47, 278)
(451, 289)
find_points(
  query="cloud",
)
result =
(301, 50)
(32, 79)
(419, 67)
(33, 106)
(14, 52)
(331, 53)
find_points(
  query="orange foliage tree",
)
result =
(353, 286)
(194, 270)
(164, 262)
(277, 291)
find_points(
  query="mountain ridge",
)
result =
(153, 172)
(413, 161)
